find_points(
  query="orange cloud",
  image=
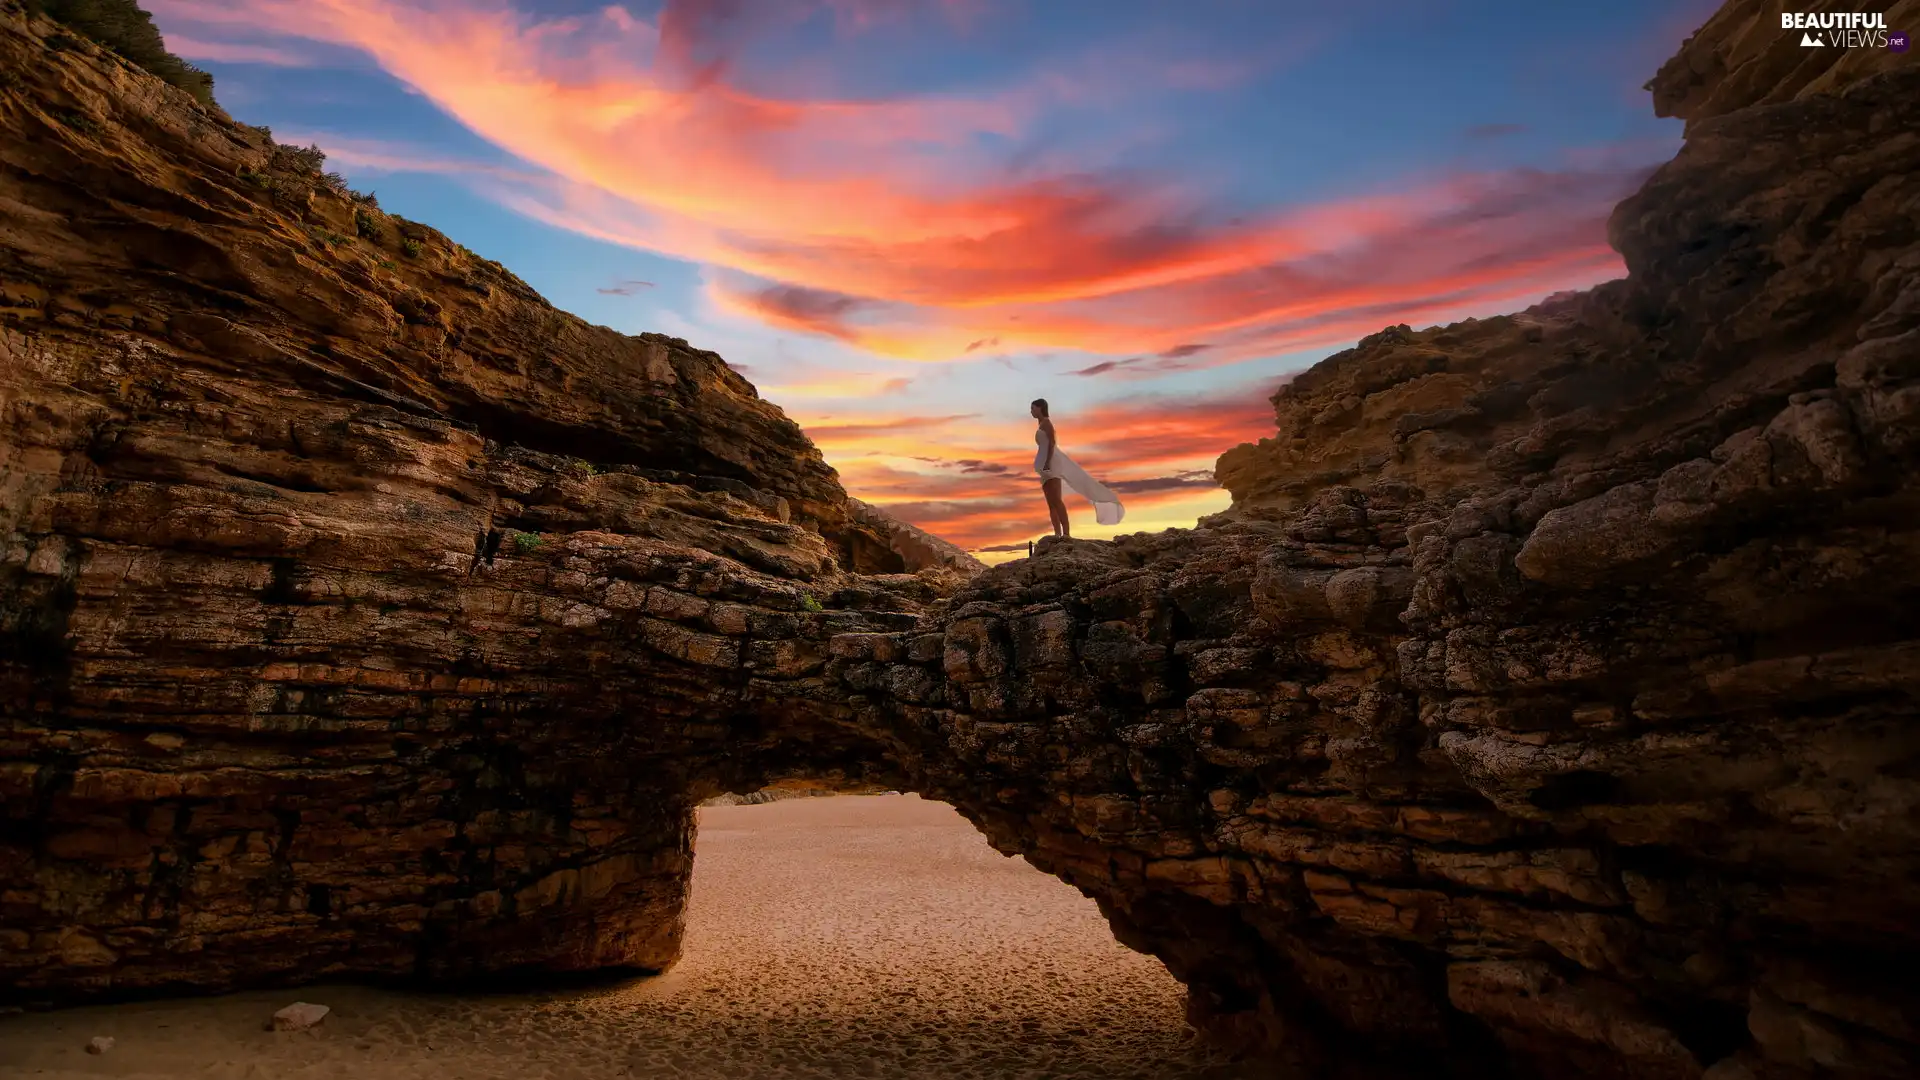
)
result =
(1019, 516)
(836, 385)
(972, 481)
(877, 223)
(1162, 434)
(824, 434)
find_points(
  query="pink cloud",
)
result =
(970, 478)
(866, 220)
(234, 52)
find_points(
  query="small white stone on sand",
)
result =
(99, 1044)
(299, 1016)
(922, 952)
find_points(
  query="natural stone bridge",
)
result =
(1545, 706)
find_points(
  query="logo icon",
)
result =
(1844, 30)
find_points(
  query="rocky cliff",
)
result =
(1545, 707)
(350, 594)
(899, 546)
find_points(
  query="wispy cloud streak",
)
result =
(879, 222)
(953, 227)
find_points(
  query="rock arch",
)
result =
(1551, 720)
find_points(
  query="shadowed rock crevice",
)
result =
(1544, 706)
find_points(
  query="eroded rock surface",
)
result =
(1554, 676)
(1544, 707)
(885, 544)
(358, 610)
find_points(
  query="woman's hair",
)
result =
(1041, 404)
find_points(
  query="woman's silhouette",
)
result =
(1057, 470)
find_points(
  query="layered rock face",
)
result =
(358, 610)
(1544, 707)
(1554, 677)
(884, 543)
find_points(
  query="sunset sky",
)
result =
(904, 219)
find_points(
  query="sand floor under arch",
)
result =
(829, 938)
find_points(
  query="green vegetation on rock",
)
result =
(121, 26)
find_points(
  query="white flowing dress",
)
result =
(1106, 505)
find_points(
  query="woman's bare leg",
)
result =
(1056, 509)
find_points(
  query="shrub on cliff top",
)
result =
(305, 160)
(120, 25)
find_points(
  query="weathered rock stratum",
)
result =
(1544, 707)
(395, 599)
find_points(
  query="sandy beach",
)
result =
(862, 936)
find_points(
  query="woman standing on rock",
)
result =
(1056, 468)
